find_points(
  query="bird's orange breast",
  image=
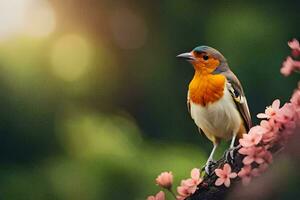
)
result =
(206, 88)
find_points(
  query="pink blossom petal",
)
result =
(227, 182)
(253, 138)
(247, 150)
(243, 151)
(188, 182)
(245, 143)
(276, 104)
(259, 160)
(287, 66)
(151, 198)
(256, 138)
(248, 160)
(182, 191)
(165, 180)
(219, 172)
(257, 130)
(233, 175)
(160, 196)
(219, 182)
(192, 189)
(296, 98)
(294, 44)
(224, 175)
(245, 174)
(262, 116)
(227, 169)
(242, 173)
(178, 197)
(195, 173)
(290, 65)
(268, 157)
(264, 123)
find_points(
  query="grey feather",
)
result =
(237, 93)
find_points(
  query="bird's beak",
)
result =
(187, 56)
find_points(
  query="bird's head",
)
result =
(204, 58)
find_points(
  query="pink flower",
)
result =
(189, 186)
(224, 175)
(253, 154)
(266, 156)
(185, 191)
(165, 180)
(260, 169)
(295, 100)
(195, 176)
(270, 111)
(271, 130)
(158, 196)
(194, 181)
(246, 174)
(286, 113)
(180, 197)
(287, 118)
(294, 45)
(253, 137)
(289, 65)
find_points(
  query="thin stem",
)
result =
(171, 191)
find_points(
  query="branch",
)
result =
(207, 189)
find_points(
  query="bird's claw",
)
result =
(208, 167)
(229, 155)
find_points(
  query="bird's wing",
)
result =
(189, 109)
(188, 102)
(237, 92)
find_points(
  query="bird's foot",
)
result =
(208, 167)
(229, 155)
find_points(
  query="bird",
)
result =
(216, 100)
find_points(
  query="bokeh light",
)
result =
(71, 57)
(92, 135)
(12, 14)
(40, 21)
(32, 17)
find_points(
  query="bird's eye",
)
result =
(205, 57)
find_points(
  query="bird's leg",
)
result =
(229, 153)
(233, 141)
(210, 160)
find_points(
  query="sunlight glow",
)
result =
(71, 57)
(32, 17)
(12, 14)
(40, 20)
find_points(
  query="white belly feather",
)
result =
(220, 119)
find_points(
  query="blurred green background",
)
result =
(93, 100)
